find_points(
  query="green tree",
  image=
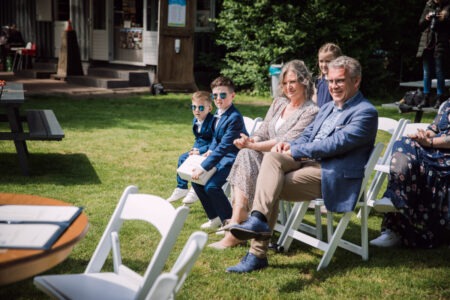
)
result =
(262, 32)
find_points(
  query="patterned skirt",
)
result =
(418, 187)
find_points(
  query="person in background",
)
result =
(434, 47)
(203, 133)
(326, 53)
(15, 38)
(327, 161)
(416, 201)
(3, 46)
(228, 125)
(285, 120)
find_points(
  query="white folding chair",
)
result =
(251, 124)
(334, 236)
(388, 125)
(383, 167)
(395, 129)
(123, 283)
(169, 284)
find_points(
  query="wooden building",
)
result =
(165, 36)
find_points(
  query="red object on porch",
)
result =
(69, 26)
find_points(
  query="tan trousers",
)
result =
(282, 177)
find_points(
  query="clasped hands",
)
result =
(243, 142)
(423, 137)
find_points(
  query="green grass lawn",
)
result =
(113, 143)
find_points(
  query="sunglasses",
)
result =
(220, 95)
(200, 107)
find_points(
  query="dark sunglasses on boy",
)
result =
(220, 95)
(200, 107)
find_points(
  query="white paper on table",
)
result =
(29, 236)
(34, 226)
(38, 213)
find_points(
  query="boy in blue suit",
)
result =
(202, 127)
(326, 161)
(228, 126)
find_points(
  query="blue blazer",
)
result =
(229, 128)
(343, 154)
(203, 138)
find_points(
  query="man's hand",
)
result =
(194, 151)
(207, 153)
(282, 147)
(196, 174)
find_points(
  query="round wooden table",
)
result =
(18, 264)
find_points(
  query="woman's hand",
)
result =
(207, 153)
(423, 137)
(243, 142)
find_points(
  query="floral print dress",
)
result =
(418, 187)
(246, 167)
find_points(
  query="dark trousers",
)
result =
(433, 66)
(214, 201)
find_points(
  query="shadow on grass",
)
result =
(344, 262)
(63, 169)
(132, 112)
(25, 289)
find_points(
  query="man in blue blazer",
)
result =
(228, 126)
(326, 161)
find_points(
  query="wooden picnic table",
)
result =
(418, 111)
(42, 124)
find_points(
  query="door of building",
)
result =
(100, 37)
(176, 45)
(128, 31)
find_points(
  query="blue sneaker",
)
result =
(249, 263)
(253, 228)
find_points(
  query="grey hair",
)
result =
(304, 76)
(351, 65)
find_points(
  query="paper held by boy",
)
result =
(192, 162)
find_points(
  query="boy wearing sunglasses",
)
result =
(228, 125)
(202, 127)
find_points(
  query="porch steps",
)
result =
(40, 70)
(111, 78)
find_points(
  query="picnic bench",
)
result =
(418, 111)
(42, 124)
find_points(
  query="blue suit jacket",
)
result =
(203, 138)
(343, 153)
(229, 128)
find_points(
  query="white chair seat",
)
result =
(382, 168)
(109, 286)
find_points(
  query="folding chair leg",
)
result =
(334, 240)
(295, 218)
(364, 211)
(318, 217)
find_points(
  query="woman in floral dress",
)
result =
(418, 187)
(286, 119)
